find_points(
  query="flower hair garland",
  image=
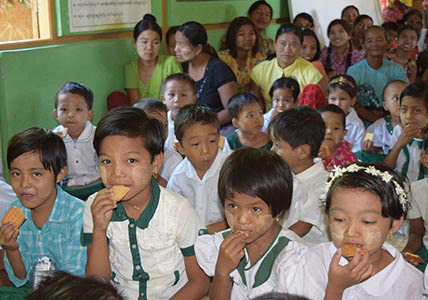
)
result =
(386, 177)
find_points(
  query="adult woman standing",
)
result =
(215, 81)
(143, 76)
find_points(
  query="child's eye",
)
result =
(395, 98)
(105, 161)
(231, 205)
(37, 174)
(15, 174)
(132, 160)
(369, 222)
(79, 109)
(256, 209)
(194, 144)
(62, 109)
(213, 141)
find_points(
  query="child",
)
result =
(382, 129)
(405, 155)
(349, 14)
(247, 117)
(156, 109)
(144, 243)
(196, 177)
(334, 150)
(304, 21)
(311, 51)
(391, 32)
(365, 204)
(170, 40)
(37, 161)
(341, 91)
(73, 110)
(284, 93)
(297, 135)
(255, 189)
(361, 24)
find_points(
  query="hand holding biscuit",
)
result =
(102, 209)
(8, 235)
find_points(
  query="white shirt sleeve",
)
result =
(206, 253)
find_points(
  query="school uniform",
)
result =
(409, 160)
(147, 255)
(267, 117)
(398, 280)
(425, 292)
(305, 203)
(171, 160)
(355, 130)
(82, 159)
(201, 193)
(382, 133)
(274, 271)
(235, 144)
(419, 204)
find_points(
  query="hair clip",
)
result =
(342, 80)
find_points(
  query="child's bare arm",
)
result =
(301, 228)
(417, 232)
(409, 132)
(8, 236)
(198, 284)
(216, 227)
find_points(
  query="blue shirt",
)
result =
(58, 239)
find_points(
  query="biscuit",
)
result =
(368, 136)
(348, 250)
(416, 257)
(15, 216)
(119, 192)
(221, 142)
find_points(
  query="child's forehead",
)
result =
(31, 159)
(70, 98)
(283, 90)
(200, 129)
(179, 84)
(413, 101)
(249, 107)
(355, 200)
(332, 116)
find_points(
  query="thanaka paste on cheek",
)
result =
(337, 232)
(373, 239)
(103, 174)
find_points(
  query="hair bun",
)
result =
(150, 18)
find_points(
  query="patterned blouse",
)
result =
(343, 157)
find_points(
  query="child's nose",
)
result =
(352, 229)
(26, 182)
(243, 219)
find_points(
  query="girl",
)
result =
(365, 204)
(334, 151)
(202, 64)
(284, 93)
(311, 51)
(170, 40)
(362, 22)
(143, 76)
(256, 255)
(260, 12)
(242, 54)
(304, 21)
(287, 63)
(340, 55)
(341, 91)
(349, 14)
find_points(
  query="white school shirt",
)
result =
(171, 160)
(274, 271)
(202, 194)
(356, 130)
(82, 159)
(397, 281)
(382, 134)
(147, 255)
(267, 117)
(419, 204)
(425, 292)
(409, 160)
(306, 205)
(7, 195)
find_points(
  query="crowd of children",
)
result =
(286, 176)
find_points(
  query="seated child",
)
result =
(297, 135)
(405, 155)
(365, 204)
(144, 244)
(156, 109)
(382, 129)
(197, 130)
(341, 91)
(284, 93)
(73, 110)
(334, 150)
(247, 117)
(255, 188)
(37, 161)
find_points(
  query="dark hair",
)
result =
(280, 296)
(305, 16)
(334, 109)
(410, 13)
(299, 126)
(232, 32)
(239, 101)
(131, 122)
(171, 30)
(346, 27)
(151, 104)
(371, 28)
(343, 82)
(47, 144)
(147, 23)
(257, 173)
(417, 90)
(375, 184)
(179, 77)
(390, 26)
(309, 32)
(192, 114)
(256, 5)
(361, 18)
(348, 7)
(407, 27)
(78, 89)
(287, 83)
(62, 285)
(290, 28)
(196, 34)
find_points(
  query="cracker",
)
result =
(221, 142)
(119, 192)
(15, 216)
(368, 136)
(349, 250)
(416, 257)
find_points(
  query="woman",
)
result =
(242, 52)
(143, 76)
(215, 81)
(260, 12)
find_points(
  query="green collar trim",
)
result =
(389, 125)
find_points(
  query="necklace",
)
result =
(136, 207)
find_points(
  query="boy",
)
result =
(405, 155)
(37, 163)
(197, 130)
(247, 116)
(144, 243)
(73, 110)
(156, 109)
(297, 135)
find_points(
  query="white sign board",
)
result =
(92, 15)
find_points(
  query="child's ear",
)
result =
(353, 101)
(61, 175)
(396, 224)
(55, 114)
(303, 151)
(384, 105)
(235, 122)
(157, 162)
(90, 114)
(179, 148)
